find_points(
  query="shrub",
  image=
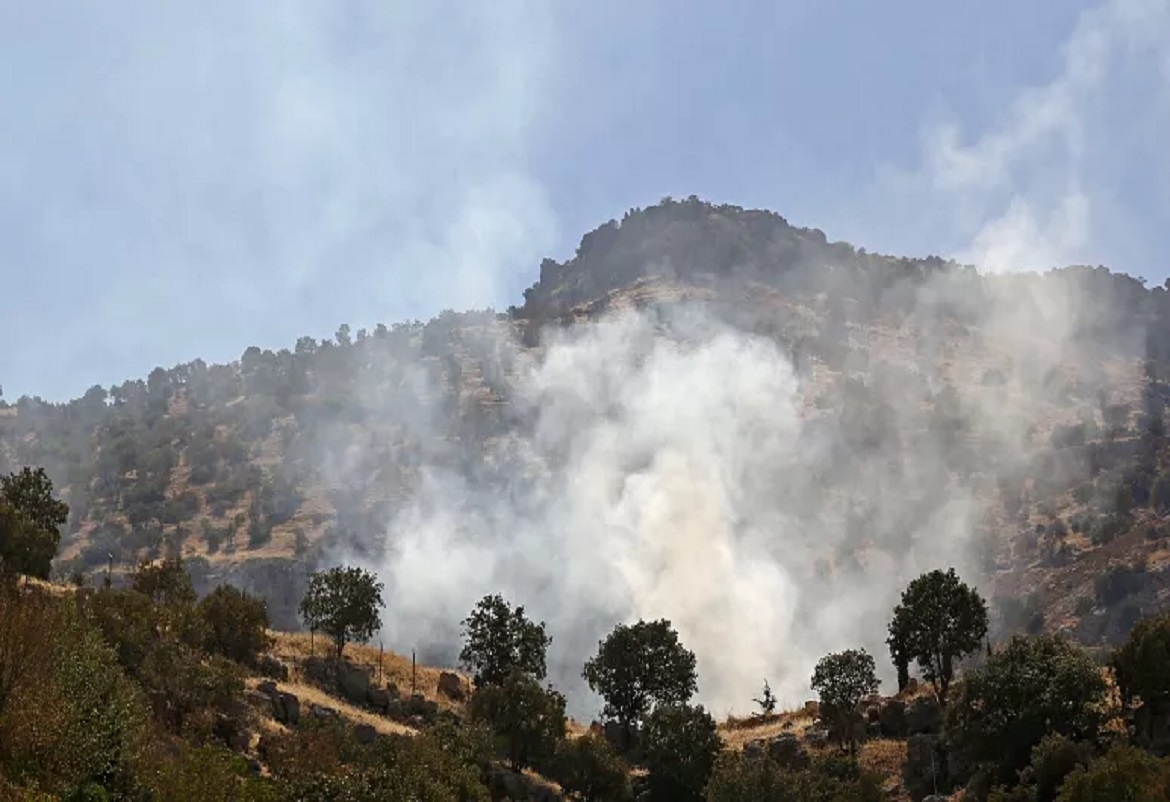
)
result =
(528, 720)
(235, 624)
(679, 747)
(1032, 688)
(589, 769)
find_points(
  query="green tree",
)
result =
(30, 523)
(679, 747)
(166, 582)
(343, 603)
(639, 666)
(528, 720)
(235, 624)
(588, 769)
(1031, 688)
(1140, 665)
(1124, 773)
(500, 639)
(939, 621)
(842, 680)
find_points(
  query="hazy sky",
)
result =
(186, 182)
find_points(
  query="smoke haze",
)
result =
(667, 462)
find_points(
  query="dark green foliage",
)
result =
(235, 624)
(590, 770)
(528, 720)
(343, 603)
(499, 639)
(638, 667)
(1142, 665)
(939, 620)
(1124, 773)
(30, 523)
(164, 583)
(1031, 688)
(843, 680)
(1053, 759)
(679, 747)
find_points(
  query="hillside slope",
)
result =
(703, 398)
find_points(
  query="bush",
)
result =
(1124, 773)
(235, 624)
(1032, 688)
(1053, 759)
(679, 747)
(589, 769)
(528, 720)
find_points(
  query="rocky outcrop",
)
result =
(451, 685)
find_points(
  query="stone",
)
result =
(267, 687)
(786, 750)
(395, 710)
(816, 736)
(286, 708)
(365, 733)
(451, 685)
(755, 750)
(269, 666)
(392, 689)
(379, 699)
(354, 684)
(812, 708)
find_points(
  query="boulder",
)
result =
(451, 686)
(816, 736)
(286, 708)
(231, 732)
(392, 689)
(379, 699)
(365, 733)
(786, 750)
(892, 719)
(924, 716)
(354, 684)
(396, 710)
(755, 750)
(269, 666)
(319, 670)
(267, 687)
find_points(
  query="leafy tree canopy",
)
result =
(679, 748)
(843, 680)
(639, 666)
(30, 523)
(528, 720)
(500, 639)
(343, 603)
(939, 620)
(1032, 688)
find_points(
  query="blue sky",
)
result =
(186, 182)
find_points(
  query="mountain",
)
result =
(706, 414)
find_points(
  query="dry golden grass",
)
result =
(310, 695)
(737, 732)
(883, 756)
(293, 647)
